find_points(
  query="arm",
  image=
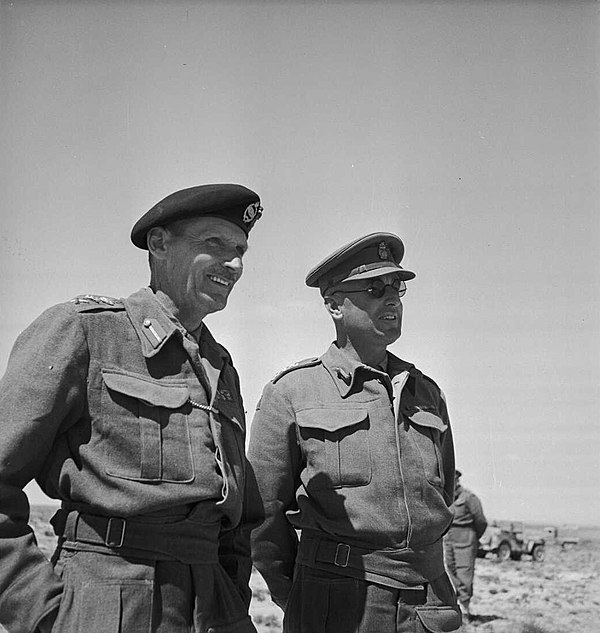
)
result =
(234, 544)
(447, 448)
(41, 395)
(479, 520)
(275, 457)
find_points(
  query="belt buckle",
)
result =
(342, 554)
(117, 540)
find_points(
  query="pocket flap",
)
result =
(330, 419)
(427, 418)
(441, 619)
(154, 392)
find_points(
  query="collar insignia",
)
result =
(343, 375)
(224, 394)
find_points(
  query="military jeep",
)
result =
(506, 540)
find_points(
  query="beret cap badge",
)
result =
(252, 213)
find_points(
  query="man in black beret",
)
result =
(130, 413)
(353, 450)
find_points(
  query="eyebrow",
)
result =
(208, 235)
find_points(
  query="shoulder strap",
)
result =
(96, 302)
(307, 362)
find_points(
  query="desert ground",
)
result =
(559, 595)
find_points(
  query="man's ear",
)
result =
(157, 239)
(333, 307)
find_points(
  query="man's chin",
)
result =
(391, 335)
(216, 304)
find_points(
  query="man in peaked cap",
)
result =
(129, 413)
(353, 450)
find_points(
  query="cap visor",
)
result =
(405, 275)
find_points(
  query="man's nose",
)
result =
(235, 264)
(391, 296)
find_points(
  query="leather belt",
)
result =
(182, 539)
(379, 566)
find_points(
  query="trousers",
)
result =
(109, 593)
(460, 553)
(325, 602)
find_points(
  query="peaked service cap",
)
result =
(235, 203)
(369, 256)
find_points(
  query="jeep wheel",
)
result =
(504, 551)
(538, 553)
(567, 545)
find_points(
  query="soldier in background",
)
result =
(130, 413)
(461, 542)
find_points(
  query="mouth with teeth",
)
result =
(221, 281)
(388, 317)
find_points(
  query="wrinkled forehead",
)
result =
(210, 227)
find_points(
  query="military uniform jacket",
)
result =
(468, 512)
(103, 403)
(359, 456)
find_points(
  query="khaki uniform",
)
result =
(361, 463)
(462, 541)
(138, 429)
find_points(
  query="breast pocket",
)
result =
(145, 428)
(336, 446)
(425, 428)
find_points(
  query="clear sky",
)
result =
(470, 129)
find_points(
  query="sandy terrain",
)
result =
(559, 595)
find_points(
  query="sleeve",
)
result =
(41, 395)
(234, 556)
(275, 457)
(447, 449)
(476, 509)
(234, 544)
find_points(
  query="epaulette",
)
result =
(307, 362)
(95, 302)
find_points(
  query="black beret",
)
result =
(369, 256)
(230, 202)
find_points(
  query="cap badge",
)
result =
(383, 251)
(252, 212)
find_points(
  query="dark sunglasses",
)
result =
(377, 288)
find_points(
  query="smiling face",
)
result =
(364, 318)
(199, 261)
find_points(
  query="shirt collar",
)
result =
(202, 337)
(152, 323)
(345, 369)
(155, 324)
(210, 349)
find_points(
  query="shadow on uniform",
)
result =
(327, 593)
